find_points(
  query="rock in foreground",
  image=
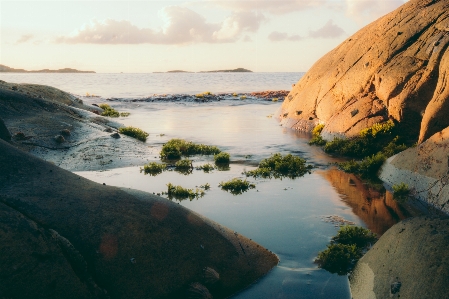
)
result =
(410, 260)
(397, 67)
(63, 236)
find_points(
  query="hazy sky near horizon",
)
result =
(198, 35)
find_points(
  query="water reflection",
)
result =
(375, 207)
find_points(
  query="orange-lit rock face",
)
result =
(377, 209)
(396, 67)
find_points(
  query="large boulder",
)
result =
(394, 68)
(410, 260)
(63, 236)
(424, 168)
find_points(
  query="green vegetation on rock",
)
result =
(401, 192)
(279, 166)
(345, 249)
(236, 186)
(175, 148)
(374, 145)
(134, 132)
(316, 136)
(109, 111)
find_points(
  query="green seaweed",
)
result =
(236, 186)
(222, 158)
(345, 249)
(181, 193)
(401, 192)
(154, 168)
(279, 166)
(134, 132)
(175, 148)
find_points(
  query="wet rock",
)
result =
(198, 291)
(115, 135)
(59, 138)
(65, 132)
(211, 276)
(20, 136)
(381, 74)
(4, 132)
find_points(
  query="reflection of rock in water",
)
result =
(377, 209)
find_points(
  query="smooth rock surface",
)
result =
(63, 236)
(394, 68)
(424, 168)
(410, 260)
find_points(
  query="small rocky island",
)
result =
(237, 70)
(7, 69)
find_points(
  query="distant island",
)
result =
(238, 70)
(7, 69)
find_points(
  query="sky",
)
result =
(199, 35)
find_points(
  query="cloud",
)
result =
(182, 26)
(24, 38)
(329, 30)
(247, 39)
(368, 11)
(276, 7)
(277, 36)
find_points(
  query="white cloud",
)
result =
(182, 26)
(329, 30)
(365, 11)
(277, 36)
(272, 6)
(24, 38)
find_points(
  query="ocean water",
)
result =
(286, 216)
(144, 85)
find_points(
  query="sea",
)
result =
(294, 218)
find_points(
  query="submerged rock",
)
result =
(395, 68)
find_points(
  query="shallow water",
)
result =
(144, 85)
(286, 216)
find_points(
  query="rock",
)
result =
(424, 168)
(396, 67)
(115, 135)
(65, 132)
(64, 236)
(198, 291)
(4, 132)
(410, 260)
(59, 138)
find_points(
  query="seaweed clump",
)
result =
(134, 132)
(279, 166)
(184, 166)
(401, 192)
(154, 168)
(236, 186)
(372, 147)
(345, 249)
(175, 148)
(111, 112)
(181, 193)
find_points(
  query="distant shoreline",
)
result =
(7, 69)
(237, 70)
